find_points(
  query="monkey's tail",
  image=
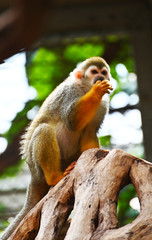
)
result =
(33, 196)
(14, 224)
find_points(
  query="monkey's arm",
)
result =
(87, 105)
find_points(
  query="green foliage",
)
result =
(40, 69)
(105, 141)
(20, 121)
(112, 39)
(124, 212)
(3, 223)
(18, 124)
(48, 56)
(125, 56)
(79, 52)
(12, 170)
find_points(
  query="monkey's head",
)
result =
(92, 70)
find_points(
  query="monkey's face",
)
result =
(94, 74)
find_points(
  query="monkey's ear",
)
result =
(78, 74)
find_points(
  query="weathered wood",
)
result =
(91, 190)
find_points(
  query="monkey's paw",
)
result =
(102, 87)
(69, 168)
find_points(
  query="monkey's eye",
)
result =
(94, 71)
(104, 72)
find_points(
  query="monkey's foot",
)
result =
(69, 168)
(54, 178)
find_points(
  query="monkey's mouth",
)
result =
(98, 78)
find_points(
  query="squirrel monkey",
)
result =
(65, 126)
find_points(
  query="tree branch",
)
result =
(91, 190)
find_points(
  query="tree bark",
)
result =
(91, 190)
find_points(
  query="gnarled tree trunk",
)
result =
(91, 190)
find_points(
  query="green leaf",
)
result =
(124, 212)
(105, 141)
(77, 52)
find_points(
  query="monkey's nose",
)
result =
(99, 78)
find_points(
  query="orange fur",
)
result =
(87, 107)
(88, 145)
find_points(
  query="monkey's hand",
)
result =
(102, 87)
(87, 105)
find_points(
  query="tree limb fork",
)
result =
(91, 190)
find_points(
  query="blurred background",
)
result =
(39, 46)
